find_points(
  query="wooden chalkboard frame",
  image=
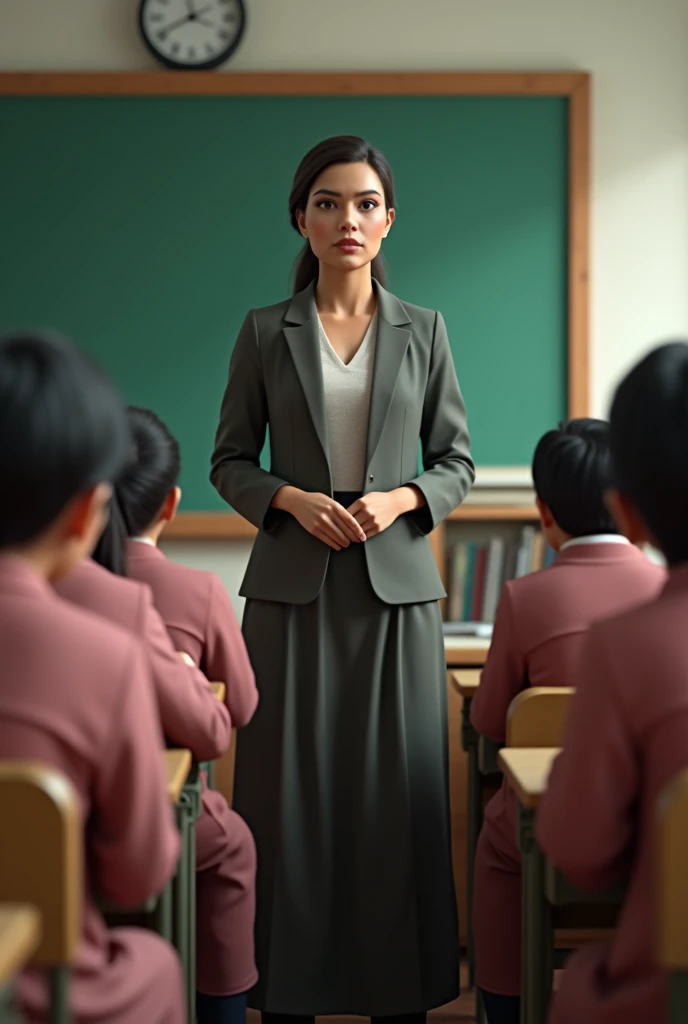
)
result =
(573, 86)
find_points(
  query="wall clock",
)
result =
(192, 34)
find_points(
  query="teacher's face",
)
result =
(346, 217)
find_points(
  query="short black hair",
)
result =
(649, 443)
(141, 490)
(63, 429)
(571, 472)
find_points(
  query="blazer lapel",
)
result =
(390, 351)
(304, 344)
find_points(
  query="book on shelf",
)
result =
(476, 573)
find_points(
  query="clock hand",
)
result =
(189, 4)
(183, 21)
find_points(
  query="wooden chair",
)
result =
(536, 717)
(672, 894)
(219, 690)
(556, 917)
(41, 864)
(20, 933)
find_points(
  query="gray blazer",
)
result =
(275, 381)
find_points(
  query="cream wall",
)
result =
(636, 50)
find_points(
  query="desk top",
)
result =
(177, 767)
(466, 681)
(20, 935)
(464, 651)
(527, 771)
(219, 689)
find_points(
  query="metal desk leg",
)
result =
(678, 997)
(188, 810)
(537, 953)
(59, 1011)
(469, 739)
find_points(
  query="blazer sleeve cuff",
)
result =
(438, 504)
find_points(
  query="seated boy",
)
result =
(627, 732)
(540, 626)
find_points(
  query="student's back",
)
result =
(544, 617)
(193, 604)
(75, 691)
(191, 716)
(627, 731)
(200, 620)
(540, 629)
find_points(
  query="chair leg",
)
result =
(59, 1012)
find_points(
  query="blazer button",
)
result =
(370, 478)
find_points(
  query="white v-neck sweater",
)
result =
(348, 388)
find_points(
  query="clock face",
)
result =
(192, 33)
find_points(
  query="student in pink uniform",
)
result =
(75, 691)
(627, 731)
(192, 603)
(540, 627)
(202, 624)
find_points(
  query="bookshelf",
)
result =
(479, 523)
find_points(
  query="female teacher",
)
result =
(343, 773)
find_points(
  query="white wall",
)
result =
(636, 50)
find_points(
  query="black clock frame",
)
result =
(207, 65)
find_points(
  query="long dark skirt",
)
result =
(343, 778)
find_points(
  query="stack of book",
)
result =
(476, 573)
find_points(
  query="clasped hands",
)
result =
(338, 527)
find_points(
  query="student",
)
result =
(75, 691)
(540, 626)
(627, 731)
(193, 604)
(225, 852)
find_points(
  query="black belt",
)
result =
(347, 498)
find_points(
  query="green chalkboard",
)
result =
(144, 228)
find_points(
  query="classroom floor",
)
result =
(458, 1012)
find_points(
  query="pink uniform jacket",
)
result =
(191, 717)
(541, 624)
(76, 694)
(626, 737)
(200, 620)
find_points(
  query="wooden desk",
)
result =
(465, 651)
(177, 768)
(219, 690)
(20, 935)
(545, 891)
(527, 772)
(466, 681)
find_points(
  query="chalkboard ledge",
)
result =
(230, 526)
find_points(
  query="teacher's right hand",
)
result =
(320, 515)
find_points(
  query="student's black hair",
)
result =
(572, 472)
(63, 429)
(649, 444)
(340, 149)
(142, 488)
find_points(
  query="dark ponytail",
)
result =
(141, 491)
(341, 149)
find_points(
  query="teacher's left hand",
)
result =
(376, 511)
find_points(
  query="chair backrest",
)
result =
(671, 874)
(536, 717)
(41, 854)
